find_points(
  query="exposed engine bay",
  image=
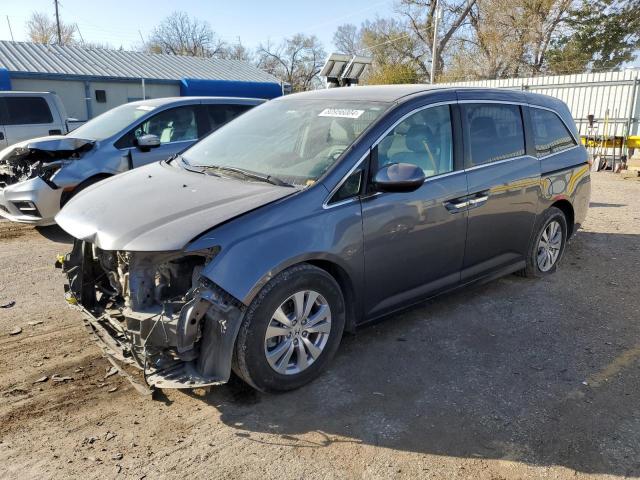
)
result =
(25, 161)
(156, 312)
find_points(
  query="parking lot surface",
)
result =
(518, 378)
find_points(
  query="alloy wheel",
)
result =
(297, 332)
(549, 246)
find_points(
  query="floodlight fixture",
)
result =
(342, 70)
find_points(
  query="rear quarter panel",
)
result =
(565, 176)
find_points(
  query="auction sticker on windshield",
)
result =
(340, 113)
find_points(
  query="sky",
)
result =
(123, 23)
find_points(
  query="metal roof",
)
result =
(34, 58)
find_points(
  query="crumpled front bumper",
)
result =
(45, 198)
(210, 321)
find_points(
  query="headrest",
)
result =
(484, 128)
(415, 137)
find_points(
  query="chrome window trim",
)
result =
(489, 164)
(442, 175)
(502, 102)
(326, 205)
(561, 151)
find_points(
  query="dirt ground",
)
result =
(515, 379)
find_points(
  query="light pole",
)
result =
(434, 48)
(58, 23)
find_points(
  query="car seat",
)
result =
(422, 149)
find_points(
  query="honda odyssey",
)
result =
(316, 213)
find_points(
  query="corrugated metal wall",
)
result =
(611, 95)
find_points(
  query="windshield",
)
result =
(294, 140)
(111, 122)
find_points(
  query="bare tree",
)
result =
(348, 39)
(420, 15)
(237, 51)
(401, 46)
(394, 47)
(297, 61)
(42, 29)
(509, 38)
(179, 34)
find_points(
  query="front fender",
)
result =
(97, 163)
(256, 247)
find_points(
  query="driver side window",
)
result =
(172, 125)
(424, 139)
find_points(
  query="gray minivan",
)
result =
(317, 213)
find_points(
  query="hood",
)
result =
(160, 207)
(62, 144)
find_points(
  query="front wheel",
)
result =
(291, 330)
(548, 244)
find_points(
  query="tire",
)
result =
(252, 346)
(66, 196)
(533, 268)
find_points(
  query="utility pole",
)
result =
(434, 48)
(58, 22)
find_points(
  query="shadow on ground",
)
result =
(491, 372)
(55, 234)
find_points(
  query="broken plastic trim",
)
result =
(40, 158)
(185, 343)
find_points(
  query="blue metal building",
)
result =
(91, 81)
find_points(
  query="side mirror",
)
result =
(147, 142)
(399, 177)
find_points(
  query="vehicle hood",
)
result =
(160, 207)
(59, 146)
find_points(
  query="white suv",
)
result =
(25, 115)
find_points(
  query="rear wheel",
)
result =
(291, 330)
(548, 244)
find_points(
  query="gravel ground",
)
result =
(515, 379)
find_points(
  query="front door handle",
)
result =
(457, 205)
(477, 201)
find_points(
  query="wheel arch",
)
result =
(567, 209)
(345, 282)
(68, 192)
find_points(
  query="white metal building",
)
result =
(91, 81)
(610, 96)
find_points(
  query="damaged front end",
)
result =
(156, 312)
(39, 158)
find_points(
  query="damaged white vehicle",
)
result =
(38, 176)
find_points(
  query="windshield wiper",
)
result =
(273, 180)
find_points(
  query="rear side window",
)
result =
(493, 132)
(26, 110)
(221, 114)
(550, 133)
